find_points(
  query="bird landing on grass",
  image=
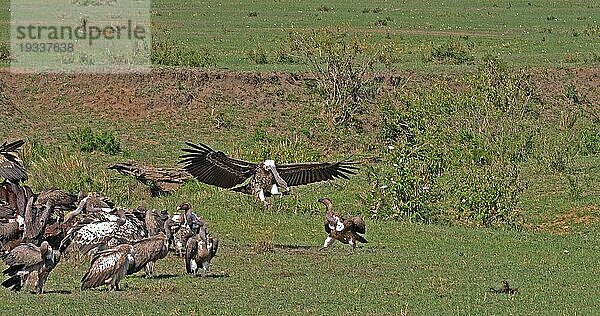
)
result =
(259, 179)
(347, 231)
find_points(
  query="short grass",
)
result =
(525, 33)
(405, 270)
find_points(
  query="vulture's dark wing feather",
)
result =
(11, 166)
(305, 173)
(214, 167)
(6, 212)
(24, 254)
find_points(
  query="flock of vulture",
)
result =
(37, 229)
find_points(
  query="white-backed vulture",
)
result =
(90, 204)
(29, 264)
(104, 233)
(108, 267)
(193, 221)
(347, 231)
(263, 179)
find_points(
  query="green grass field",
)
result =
(414, 270)
(524, 33)
(269, 260)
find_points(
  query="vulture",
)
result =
(29, 264)
(11, 227)
(181, 237)
(103, 231)
(6, 211)
(36, 219)
(506, 289)
(57, 198)
(10, 230)
(15, 195)
(89, 204)
(199, 250)
(259, 179)
(155, 221)
(347, 231)
(109, 267)
(186, 225)
(149, 250)
(190, 219)
(11, 167)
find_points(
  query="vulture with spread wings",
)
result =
(11, 167)
(259, 179)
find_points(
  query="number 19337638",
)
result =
(46, 47)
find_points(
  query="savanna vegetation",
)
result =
(476, 126)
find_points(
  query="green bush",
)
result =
(170, 53)
(508, 91)
(590, 140)
(452, 52)
(454, 155)
(87, 141)
(405, 184)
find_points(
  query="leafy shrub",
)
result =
(87, 141)
(503, 89)
(454, 155)
(452, 52)
(405, 185)
(343, 66)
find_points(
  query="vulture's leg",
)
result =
(205, 266)
(327, 242)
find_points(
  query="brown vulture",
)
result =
(11, 167)
(29, 264)
(11, 225)
(347, 231)
(199, 251)
(149, 250)
(265, 179)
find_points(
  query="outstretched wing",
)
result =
(11, 167)
(305, 173)
(214, 167)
